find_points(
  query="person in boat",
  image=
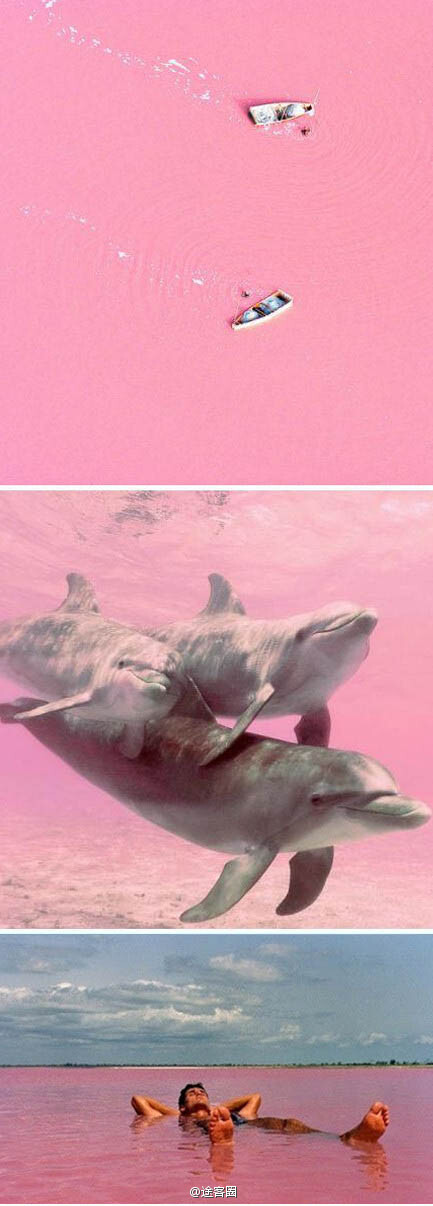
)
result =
(194, 1108)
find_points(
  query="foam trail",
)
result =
(187, 75)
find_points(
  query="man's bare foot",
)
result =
(372, 1126)
(220, 1125)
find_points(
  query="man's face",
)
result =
(197, 1103)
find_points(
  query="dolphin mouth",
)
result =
(152, 678)
(346, 620)
(390, 804)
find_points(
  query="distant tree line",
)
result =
(378, 1063)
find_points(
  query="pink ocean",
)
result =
(139, 201)
(74, 857)
(81, 1143)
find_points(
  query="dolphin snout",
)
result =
(403, 808)
(154, 679)
(365, 620)
(343, 616)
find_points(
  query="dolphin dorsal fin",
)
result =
(80, 596)
(222, 598)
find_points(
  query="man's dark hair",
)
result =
(183, 1092)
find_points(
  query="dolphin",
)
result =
(80, 660)
(243, 666)
(261, 797)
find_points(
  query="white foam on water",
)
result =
(146, 272)
(185, 75)
(173, 63)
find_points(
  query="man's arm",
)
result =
(248, 1105)
(149, 1107)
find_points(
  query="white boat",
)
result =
(264, 115)
(263, 310)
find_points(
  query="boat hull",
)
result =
(275, 303)
(265, 115)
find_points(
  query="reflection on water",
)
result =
(82, 1143)
(300, 1155)
(374, 1161)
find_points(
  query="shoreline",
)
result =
(258, 1067)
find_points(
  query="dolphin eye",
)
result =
(121, 665)
(316, 799)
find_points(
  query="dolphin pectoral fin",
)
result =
(80, 596)
(131, 741)
(309, 870)
(58, 705)
(10, 712)
(222, 598)
(229, 736)
(314, 728)
(237, 877)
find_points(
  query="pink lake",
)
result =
(74, 857)
(139, 201)
(82, 1144)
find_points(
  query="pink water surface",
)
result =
(80, 1143)
(139, 200)
(72, 856)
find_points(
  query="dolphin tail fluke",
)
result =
(237, 877)
(58, 705)
(222, 598)
(309, 870)
(131, 742)
(80, 596)
(227, 737)
(314, 728)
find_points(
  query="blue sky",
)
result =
(215, 998)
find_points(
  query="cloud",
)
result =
(117, 1013)
(289, 1032)
(366, 1040)
(424, 1040)
(219, 979)
(327, 1037)
(45, 957)
(281, 950)
(246, 969)
(132, 992)
(14, 994)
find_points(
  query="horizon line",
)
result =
(322, 1064)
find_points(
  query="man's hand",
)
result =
(220, 1125)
